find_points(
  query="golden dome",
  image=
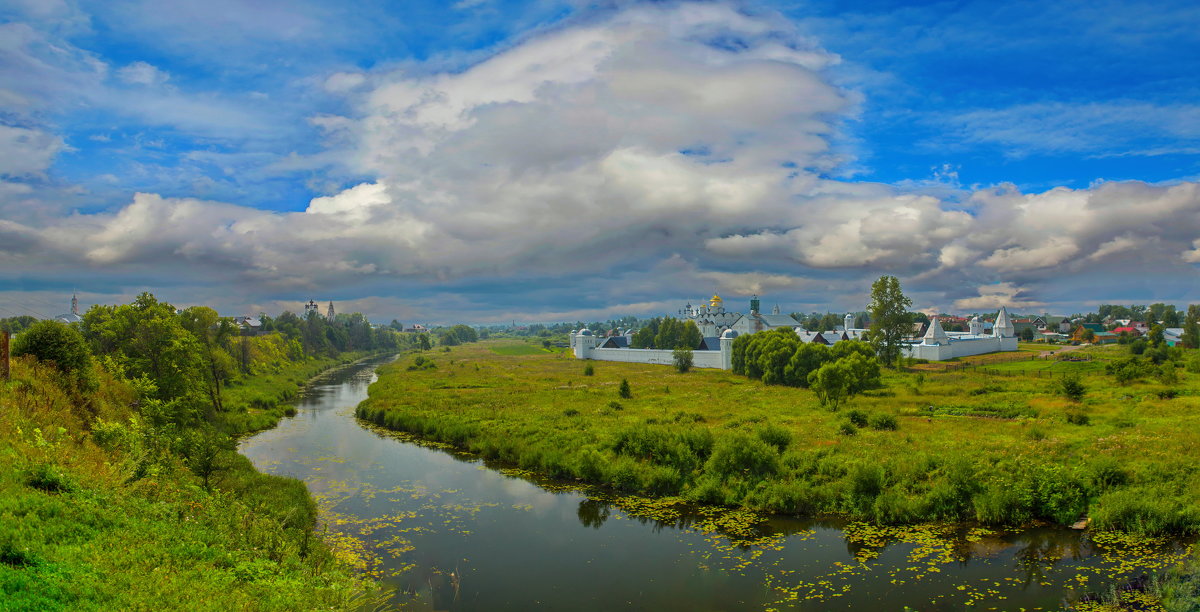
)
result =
(716, 301)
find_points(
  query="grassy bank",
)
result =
(946, 446)
(258, 402)
(97, 512)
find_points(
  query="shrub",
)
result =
(588, 370)
(615, 405)
(857, 417)
(625, 392)
(1072, 387)
(776, 436)
(1168, 393)
(1077, 418)
(883, 421)
(48, 478)
(738, 455)
(570, 412)
(847, 429)
(682, 357)
(58, 343)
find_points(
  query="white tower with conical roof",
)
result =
(1004, 327)
(848, 322)
(935, 334)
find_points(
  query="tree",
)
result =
(1191, 327)
(831, 382)
(60, 344)
(682, 357)
(1156, 335)
(1088, 335)
(1027, 334)
(423, 342)
(890, 321)
(213, 331)
(625, 392)
(148, 339)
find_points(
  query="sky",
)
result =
(487, 161)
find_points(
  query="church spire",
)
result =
(330, 314)
(74, 303)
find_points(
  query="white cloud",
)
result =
(992, 297)
(25, 152)
(141, 73)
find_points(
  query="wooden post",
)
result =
(4, 355)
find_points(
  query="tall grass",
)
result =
(95, 515)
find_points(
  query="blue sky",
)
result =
(546, 160)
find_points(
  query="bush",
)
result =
(570, 412)
(847, 429)
(58, 343)
(625, 392)
(776, 436)
(883, 421)
(588, 370)
(1077, 418)
(857, 417)
(741, 456)
(682, 357)
(1072, 387)
(615, 405)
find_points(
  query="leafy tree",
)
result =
(213, 332)
(682, 357)
(806, 359)
(643, 338)
(16, 325)
(831, 382)
(1088, 336)
(148, 339)
(60, 344)
(1191, 327)
(423, 342)
(890, 321)
(1155, 337)
(1027, 334)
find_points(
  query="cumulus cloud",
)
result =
(992, 297)
(690, 139)
(141, 73)
(25, 151)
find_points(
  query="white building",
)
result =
(936, 345)
(939, 345)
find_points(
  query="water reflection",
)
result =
(450, 532)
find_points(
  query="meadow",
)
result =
(96, 513)
(987, 441)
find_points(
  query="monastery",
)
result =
(719, 327)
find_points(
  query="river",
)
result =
(450, 533)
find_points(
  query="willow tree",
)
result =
(890, 320)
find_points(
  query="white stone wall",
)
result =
(960, 347)
(700, 359)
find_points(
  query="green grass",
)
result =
(120, 526)
(968, 446)
(519, 349)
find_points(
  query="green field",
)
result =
(519, 349)
(967, 445)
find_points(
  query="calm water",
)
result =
(453, 534)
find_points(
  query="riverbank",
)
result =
(960, 446)
(258, 402)
(100, 510)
